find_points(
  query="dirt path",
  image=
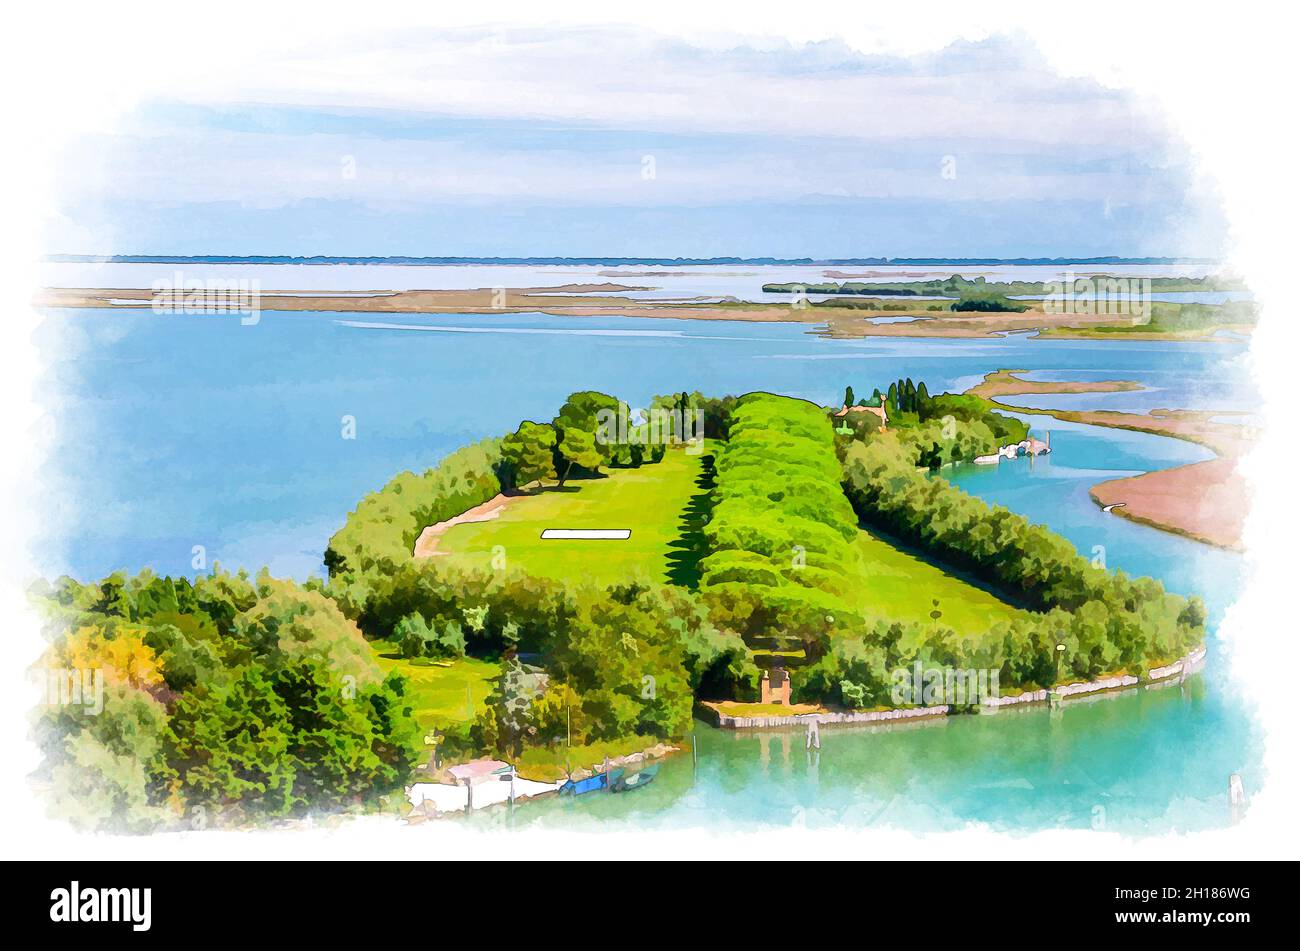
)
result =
(426, 546)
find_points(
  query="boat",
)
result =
(623, 781)
(590, 784)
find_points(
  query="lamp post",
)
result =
(1053, 694)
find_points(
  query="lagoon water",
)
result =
(177, 431)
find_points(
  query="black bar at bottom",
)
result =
(253, 901)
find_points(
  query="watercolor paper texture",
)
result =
(766, 436)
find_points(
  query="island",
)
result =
(559, 605)
(1099, 306)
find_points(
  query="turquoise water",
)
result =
(1139, 762)
(176, 431)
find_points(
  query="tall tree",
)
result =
(578, 447)
(529, 451)
(590, 412)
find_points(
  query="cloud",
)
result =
(606, 119)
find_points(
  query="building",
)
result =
(775, 686)
(878, 411)
(1035, 447)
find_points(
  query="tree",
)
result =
(848, 396)
(583, 415)
(578, 447)
(412, 635)
(107, 771)
(529, 452)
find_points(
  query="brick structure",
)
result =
(775, 686)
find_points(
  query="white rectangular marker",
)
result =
(586, 533)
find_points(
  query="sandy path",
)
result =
(426, 546)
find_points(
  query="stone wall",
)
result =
(1188, 664)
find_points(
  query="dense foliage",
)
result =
(621, 663)
(936, 430)
(381, 532)
(780, 555)
(224, 698)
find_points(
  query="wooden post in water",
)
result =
(1236, 796)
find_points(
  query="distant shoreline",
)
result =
(915, 320)
(598, 261)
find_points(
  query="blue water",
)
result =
(172, 432)
(177, 431)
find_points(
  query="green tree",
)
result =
(583, 416)
(578, 447)
(529, 452)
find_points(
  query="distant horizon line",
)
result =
(398, 259)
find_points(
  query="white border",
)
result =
(1220, 73)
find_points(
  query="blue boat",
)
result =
(623, 781)
(590, 784)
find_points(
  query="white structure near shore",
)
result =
(1026, 447)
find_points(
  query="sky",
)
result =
(624, 144)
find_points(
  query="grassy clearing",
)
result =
(733, 708)
(442, 692)
(652, 501)
(546, 764)
(900, 586)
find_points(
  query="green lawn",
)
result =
(441, 694)
(652, 501)
(901, 586)
(549, 763)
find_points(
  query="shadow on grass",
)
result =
(689, 547)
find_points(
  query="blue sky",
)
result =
(612, 143)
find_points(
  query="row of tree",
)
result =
(1026, 563)
(780, 536)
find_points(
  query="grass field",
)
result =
(653, 501)
(440, 695)
(903, 587)
(548, 763)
